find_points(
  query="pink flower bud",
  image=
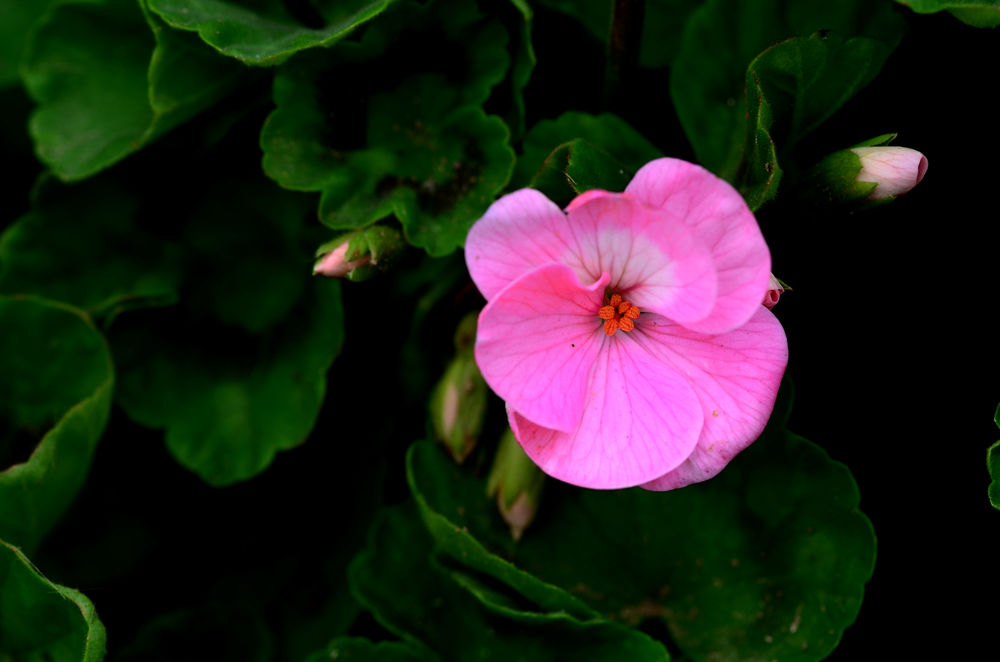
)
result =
(895, 170)
(774, 290)
(335, 265)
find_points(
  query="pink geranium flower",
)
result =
(627, 335)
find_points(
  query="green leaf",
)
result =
(106, 86)
(426, 604)
(266, 33)
(56, 382)
(993, 465)
(40, 620)
(768, 560)
(977, 13)
(17, 19)
(793, 87)
(395, 139)
(229, 400)
(606, 133)
(356, 649)
(218, 632)
(713, 66)
(112, 266)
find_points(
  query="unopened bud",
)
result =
(517, 483)
(458, 403)
(774, 289)
(868, 174)
(359, 255)
(893, 170)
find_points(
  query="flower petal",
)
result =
(653, 258)
(720, 219)
(537, 342)
(735, 376)
(519, 232)
(641, 419)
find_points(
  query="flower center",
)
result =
(618, 315)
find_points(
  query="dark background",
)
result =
(892, 343)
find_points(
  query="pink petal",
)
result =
(735, 376)
(537, 343)
(641, 419)
(519, 232)
(721, 221)
(653, 258)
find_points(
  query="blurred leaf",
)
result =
(522, 57)
(228, 400)
(356, 649)
(977, 13)
(40, 620)
(111, 266)
(425, 604)
(723, 38)
(766, 561)
(378, 135)
(993, 464)
(17, 19)
(105, 86)
(604, 133)
(56, 382)
(266, 33)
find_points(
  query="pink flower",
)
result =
(627, 335)
(896, 170)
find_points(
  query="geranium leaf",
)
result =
(112, 266)
(266, 33)
(229, 400)
(767, 560)
(723, 38)
(40, 620)
(420, 601)
(977, 13)
(56, 382)
(16, 22)
(607, 132)
(396, 139)
(99, 104)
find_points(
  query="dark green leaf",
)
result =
(425, 604)
(977, 13)
(228, 400)
(106, 86)
(724, 37)
(16, 22)
(221, 633)
(766, 561)
(356, 649)
(606, 132)
(40, 620)
(266, 33)
(378, 135)
(56, 382)
(111, 266)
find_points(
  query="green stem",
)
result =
(623, 48)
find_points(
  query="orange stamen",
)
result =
(618, 315)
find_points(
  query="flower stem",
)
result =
(623, 48)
